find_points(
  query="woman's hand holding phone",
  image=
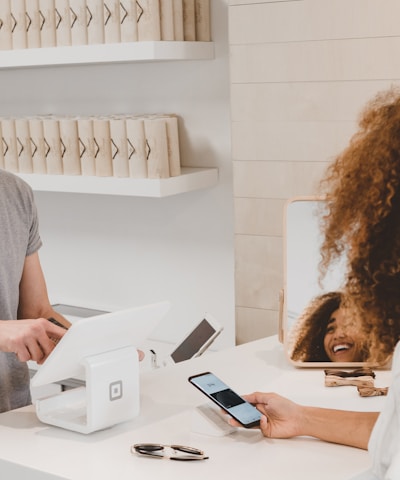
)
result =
(242, 411)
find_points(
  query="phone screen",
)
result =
(226, 398)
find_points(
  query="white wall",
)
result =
(119, 251)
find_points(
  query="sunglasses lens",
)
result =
(187, 458)
(148, 447)
(191, 450)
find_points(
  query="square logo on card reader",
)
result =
(115, 390)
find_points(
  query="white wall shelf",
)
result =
(107, 53)
(190, 179)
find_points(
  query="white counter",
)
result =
(33, 450)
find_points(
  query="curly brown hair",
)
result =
(362, 220)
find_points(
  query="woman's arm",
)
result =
(283, 418)
(339, 426)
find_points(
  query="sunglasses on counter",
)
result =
(171, 452)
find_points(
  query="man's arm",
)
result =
(33, 297)
(32, 336)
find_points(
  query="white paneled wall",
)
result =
(301, 70)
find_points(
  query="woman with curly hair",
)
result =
(361, 218)
(362, 221)
(326, 332)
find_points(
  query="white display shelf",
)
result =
(107, 53)
(190, 179)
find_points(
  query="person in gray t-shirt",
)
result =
(25, 332)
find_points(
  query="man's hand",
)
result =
(31, 339)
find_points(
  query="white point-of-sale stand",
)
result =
(110, 394)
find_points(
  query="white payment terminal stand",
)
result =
(101, 350)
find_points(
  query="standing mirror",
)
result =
(316, 332)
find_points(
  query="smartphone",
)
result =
(197, 340)
(217, 391)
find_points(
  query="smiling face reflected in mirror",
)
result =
(327, 331)
(341, 341)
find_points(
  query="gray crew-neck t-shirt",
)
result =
(19, 237)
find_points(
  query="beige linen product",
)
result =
(70, 146)
(48, 23)
(86, 146)
(5, 30)
(174, 159)
(23, 145)
(128, 15)
(37, 145)
(178, 20)
(157, 147)
(33, 24)
(78, 18)
(95, 21)
(167, 20)
(1, 149)
(52, 141)
(202, 20)
(102, 141)
(9, 140)
(112, 28)
(136, 140)
(189, 20)
(18, 24)
(119, 146)
(63, 23)
(149, 27)
(171, 122)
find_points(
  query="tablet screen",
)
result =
(193, 342)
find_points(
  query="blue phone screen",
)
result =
(226, 398)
